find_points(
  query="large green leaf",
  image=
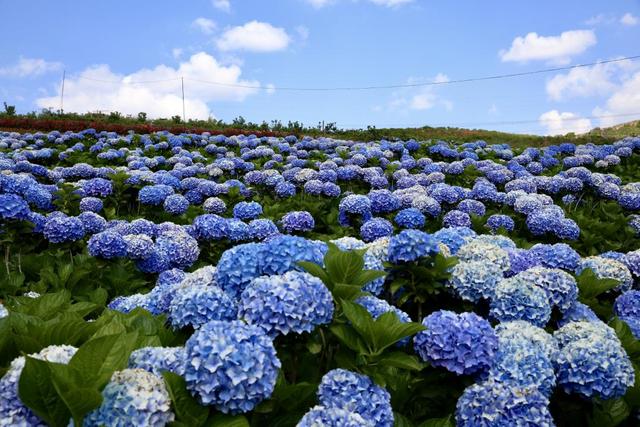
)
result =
(78, 397)
(37, 391)
(185, 406)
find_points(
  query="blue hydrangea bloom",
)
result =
(210, 227)
(473, 280)
(518, 299)
(183, 250)
(495, 404)
(593, 365)
(297, 221)
(628, 304)
(194, 306)
(410, 218)
(126, 304)
(456, 218)
(97, 187)
(560, 286)
(375, 228)
(410, 245)
(260, 229)
(605, 268)
(90, 204)
(154, 195)
(138, 246)
(520, 260)
(497, 221)
(454, 237)
(133, 397)
(12, 411)
(354, 392)
(523, 364)
(558, 255)
(282, 253)
(523, 332)
(214, 205)
(237, 230)
(62, 228)
(93, 223)
(230, 365)
(577, 312)
(158, 359)
(247, 210)
(482, 250)
(107, 245)
(176, 204)
(320, 416)
(293, 302)
(461, 343)
(238, 266)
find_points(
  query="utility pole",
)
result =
(64, 72)
(184, 117)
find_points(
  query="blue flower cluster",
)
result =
(461, 343)
(293, 302)
(411, 245)
(196, 305)
(230, 365)
(158, 359)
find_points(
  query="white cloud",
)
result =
(420, 98)
(623, 103)
(30, 67)
(207, 26)
(600, 19)
(390, 3)
(320, 3)
(597, 80)
(629, 20)
(223, 5)
(254, 36)
(160, 99)
(558, 49)
(303, 32)
(558, 123)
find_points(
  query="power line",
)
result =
(374, 87)
(411, 85)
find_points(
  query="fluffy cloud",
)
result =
(629, 20)
(207, 26)
(99, 88)
(558, 49)
(320, 3)
(584, 81)
(623, 105)
(30, 67)
(223, 5)
(420, 98)
(254, 36)
(558, 123)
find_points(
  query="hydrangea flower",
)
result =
(107, 245)
(628, 304)
(320, 416)
(293, 302)
(90, 204)
(495, 404)
(410, 218)
(456, 218)
(297, 221)
(496, 222)
(558, 255)
(62, 228)
(138, 246)
(133, 397)
(230, 365)
(454, 237)
(12, 411)
(176, 204)
(354, 392)
(488, 252)
(13, 206)
(577, 312)
(238, 266)
(521, 331)
(375, 228)
(196, 305)
(410, 245)
(260, 229)
(214, 205)
(282, 253)
(592, 364)
(129, 303)
(93, 223)
(518, 299)
(461, 343)
(247, 210)
(158, 359)
(561, 287)
(473, 280)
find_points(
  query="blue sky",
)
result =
(328, 43)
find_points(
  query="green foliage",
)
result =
(592, 289)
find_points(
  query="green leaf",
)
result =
(315, 270)
(388, 329)
(342, 266)
(349, 337)
(591, 286)
(438, 422)
(628, 340)
(77, 397)
(36, 390)
(400, 420)
(361, 321)
(366, 276)
(98, 358)
(186, 407)
(609, 413)
(402, 360)
(222, 420)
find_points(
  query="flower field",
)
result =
(212, 280)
